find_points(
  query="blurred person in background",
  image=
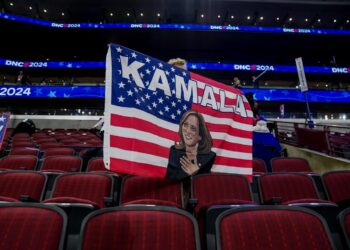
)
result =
(236, 82)
(21, 78)
(178, 62)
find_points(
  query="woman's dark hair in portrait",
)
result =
(206, 142)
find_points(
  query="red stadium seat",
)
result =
(21, 139)
(41, 141)
(344, 219)
(18, 162)
(289, 188)
(290, 164)
(220, 189)
(87, 188)
(259, 166)
(21, 135)
(78, 195)
(58, 151)
(31, 226)
(337, 186)
(14, 184)
(147, 190)
(272, 227)
(95, 143)
(64, 163)
(48, 145)
(140, 227)
(215, 193)
(22, 144)
(96, 164)
(69, 141)
(24, 151)
(39, 135)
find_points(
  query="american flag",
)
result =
(145, 99)
(4, 119)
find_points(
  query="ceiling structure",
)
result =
(27, 42)
(290, 13)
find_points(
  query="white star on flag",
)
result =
(121, 99)
(121, 85)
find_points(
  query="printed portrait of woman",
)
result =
(192, 154)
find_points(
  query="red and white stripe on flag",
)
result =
(138, 137)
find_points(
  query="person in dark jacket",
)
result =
(192, 154)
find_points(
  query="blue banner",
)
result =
(191, 66)
(276, 95)
(207, 27)
(52, 92)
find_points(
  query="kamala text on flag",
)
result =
(4, 119)
(145, 99)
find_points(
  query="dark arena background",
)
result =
(55, 192)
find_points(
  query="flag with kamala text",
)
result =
(145, 99)
(4, 119)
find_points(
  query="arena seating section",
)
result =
(53, 197)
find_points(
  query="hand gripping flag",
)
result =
(145, 99)
(4, 119)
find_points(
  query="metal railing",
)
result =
(327, 138)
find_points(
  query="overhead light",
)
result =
(261, 18)
(306, 19)
(319, 20)
(45, 10)
(232, 17)
(348, 21)
(141, 14)
(30, 7)
(335, 20)
(277, 18)
(128, 14)
(111, 14)
(248, 17)
(290, 19)
(11, 4)
(62, 14)
(219, 16)
(202, 16)
(158, 14)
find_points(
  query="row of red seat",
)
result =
(63, 164)
(282, 164)
(96, 190)
(40, 227)
(25, 158)
(45, 140)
